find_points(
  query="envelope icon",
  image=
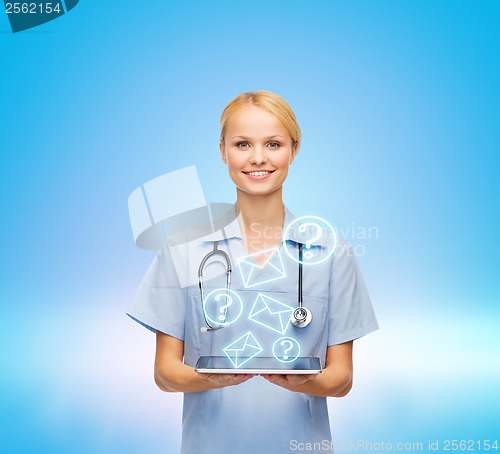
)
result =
(242, 349)
(270, 269)
(271, 313)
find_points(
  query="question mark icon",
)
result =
(312, 229)
(290, 346)
(223, 309)
(319, 232)
(283, 355)
(218, 315)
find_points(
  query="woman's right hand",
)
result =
(172, 375)
(223, 380)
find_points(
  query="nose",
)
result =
(258, 156)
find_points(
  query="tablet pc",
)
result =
(260, 365)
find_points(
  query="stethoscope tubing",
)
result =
(203, 262)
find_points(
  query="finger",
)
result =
(245, 377)
(205, 376)
(276, 379)
(310, 376)
(272, 376)
(296, 380)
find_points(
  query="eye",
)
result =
(243, 144)
(273, 145)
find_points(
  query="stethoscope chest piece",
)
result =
(301, 317)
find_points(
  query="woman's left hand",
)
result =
(335, 379)
(290, 381)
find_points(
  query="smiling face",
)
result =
(257, 149)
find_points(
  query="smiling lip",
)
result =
(259, 173)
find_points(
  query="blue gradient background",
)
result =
(400, 110)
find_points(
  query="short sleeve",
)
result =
(160, 302)
(351, 314)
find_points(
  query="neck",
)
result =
(261, 219)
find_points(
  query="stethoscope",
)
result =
(301, 316)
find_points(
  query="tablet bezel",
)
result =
(203, 367)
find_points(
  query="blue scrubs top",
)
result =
(255, 416)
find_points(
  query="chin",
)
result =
(258, 191)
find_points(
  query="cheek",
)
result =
(234, 160)
(283, 160)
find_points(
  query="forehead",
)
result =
(253, 120)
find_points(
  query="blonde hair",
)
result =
(269, 101)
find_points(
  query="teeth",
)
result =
(259, 174)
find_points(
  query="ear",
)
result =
(295, 150)
(223, 151)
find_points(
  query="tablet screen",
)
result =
(259, 365)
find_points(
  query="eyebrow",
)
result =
(266, 138)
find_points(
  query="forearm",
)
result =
(180, 377)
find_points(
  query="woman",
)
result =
(241, 413)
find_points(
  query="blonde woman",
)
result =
(242, 413)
